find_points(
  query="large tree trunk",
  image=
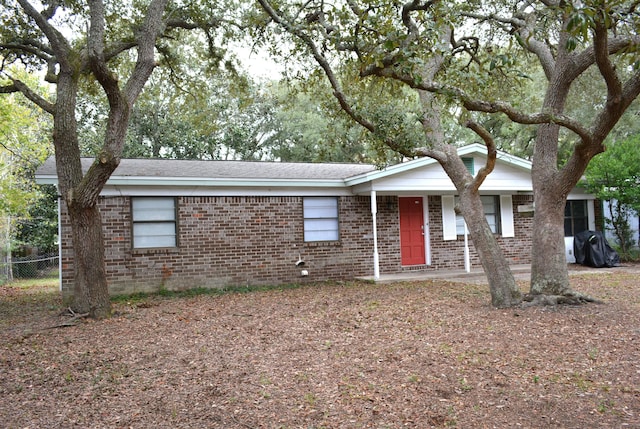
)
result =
(551, 186)
(90, 292)
(67, 63)
(502, 285)
(549, 275)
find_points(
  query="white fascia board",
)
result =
(47, 180)
(223, 183)
(514, 160)
(209, 183)
(417, 188)
(506, 188)
(201, 191)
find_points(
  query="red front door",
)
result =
(411, 231)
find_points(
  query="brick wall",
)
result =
(234, 241)
(230, 241)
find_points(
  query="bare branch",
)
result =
(116, 49)
(603, 61)
(19, 86)
(492, 153)
(408, 8)
(30, 46)
(59, 45)
(524, 26)
(152, 28)
(484, 106)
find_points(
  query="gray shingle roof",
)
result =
(169, 168)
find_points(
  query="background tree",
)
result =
(614, 177)
(39, 228)
(184, 114)
(23, 146)
(487, 47)
(76, 44)
(227, 114)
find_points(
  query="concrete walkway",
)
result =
(476, 275)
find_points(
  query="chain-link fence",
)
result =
(33, 266)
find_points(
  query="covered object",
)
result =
(591, 248)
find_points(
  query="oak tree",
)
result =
(472, 58)
(70, 44)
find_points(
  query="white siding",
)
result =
(432, 178)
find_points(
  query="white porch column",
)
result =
(467, 259)
(376, 257)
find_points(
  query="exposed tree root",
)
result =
(569, 298)
(72, 321)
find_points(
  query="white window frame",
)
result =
(321, 221)
(154, 222)
(453, 225)
(491, 207)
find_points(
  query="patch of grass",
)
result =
(310, 399)
(193, 292)
(264, 381)
(605, 405)
(25, 299)
(43, 283)
(580, 381)
(372, 305)
(464, 385)
(413, 378)
(446, 348)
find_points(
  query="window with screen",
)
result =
(320, 219)
(491, 206)
(154, 222)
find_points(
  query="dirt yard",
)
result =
(352, 355)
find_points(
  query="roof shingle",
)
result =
(224, 169)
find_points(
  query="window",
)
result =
(491, 206)
(154, 222)
(576, 217)
(469, 164)
(320, 219)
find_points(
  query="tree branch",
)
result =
(152, 28)
(19, 86)
(95, 52)
(601, 53)
(492, 152)
(484, 106)
(59, 45)
(32, 47)
(524, 26)
(333, 80)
